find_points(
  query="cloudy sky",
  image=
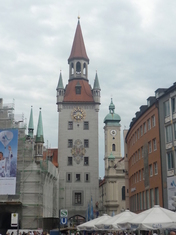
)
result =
(131, 44)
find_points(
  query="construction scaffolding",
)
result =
(37, 182)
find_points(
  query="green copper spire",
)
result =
(111, 107)
(39, 135)
(112, 119)
(96, 83)
(31, 124)
(60, 83)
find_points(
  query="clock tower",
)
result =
(114, 163)
(78, 156)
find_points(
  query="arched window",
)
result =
(78, 67)
(113, 147)
(123, 193)
(84, 69)
(72, 69)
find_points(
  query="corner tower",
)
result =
(78, 155)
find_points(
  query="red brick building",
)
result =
(144, 161)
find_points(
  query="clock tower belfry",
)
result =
(78, 146)
(112, 131)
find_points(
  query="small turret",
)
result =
(60, 93)
(96, 92)
(31, 125)
(39, 140)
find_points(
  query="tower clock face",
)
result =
(113, 132)
(78, 114)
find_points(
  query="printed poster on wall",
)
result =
(171, 192)
(8, 161)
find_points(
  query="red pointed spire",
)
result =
(78, 48)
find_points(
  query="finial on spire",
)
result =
(40, 108)
(78, 18)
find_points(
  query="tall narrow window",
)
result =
(70, 162)
(170, 160)
(142, 151)
(151, 198)
(143, 174)
(168, 134)
(153, 120)
(113, 147)
(175, 130)
(87, 177)
(166, 108)
(70, 143)
(72, 69)
(78, 177)
(77, 198)
(145, 128)
(150, 146)
(149, 124)
(140, 200)
(69, 177)
(155, 168)
(154, 145)
(141, 128)
(174, 105)
(78, 67)
(84, 69)
(70, 125)
(86, 125)
(140, 175)
(86, 161)
(147, 198)
(138, 133)
(123, 193)
(86, 143)
(151, 170)
(144, 201)
(156, 196)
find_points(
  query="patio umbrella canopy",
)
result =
(90, 225)
(113, 222)
(153, 219)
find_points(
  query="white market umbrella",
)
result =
(154, 218)
(113, 222)
(90, 225)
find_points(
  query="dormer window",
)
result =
(78, 68)
(78, 88)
